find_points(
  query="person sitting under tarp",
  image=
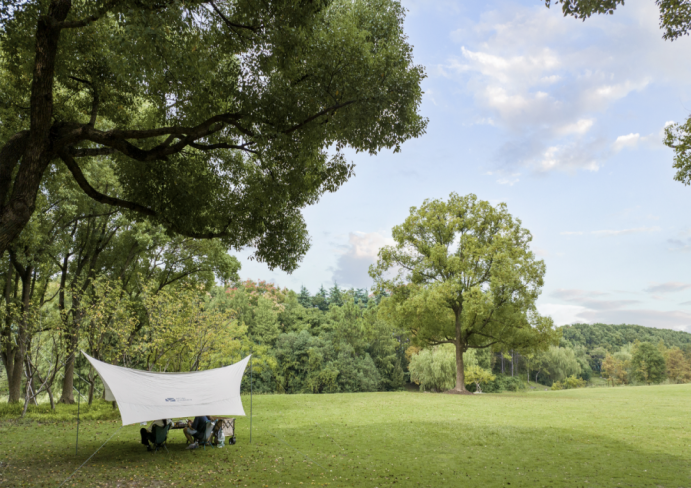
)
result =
(149, 435)
(195, 431)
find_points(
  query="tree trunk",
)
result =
(67, 395)
(17, 210)
(50, 397)
(460, 346)
(460, 374)
(15, 379)
(15, 376)
(91, 386)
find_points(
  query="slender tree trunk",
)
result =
(460, 346)
(67, 395)
(22, 335)
(91, 386)
(502, 362)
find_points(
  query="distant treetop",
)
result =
(612, 337)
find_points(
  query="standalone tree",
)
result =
(648, 363)
(223, 118)
(461, 272)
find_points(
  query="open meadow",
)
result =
(627, 436)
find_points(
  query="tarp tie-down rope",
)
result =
(89, 458)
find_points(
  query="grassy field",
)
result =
(577, 438)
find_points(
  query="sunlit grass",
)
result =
(589, 437)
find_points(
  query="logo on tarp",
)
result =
(182, 399)
(170, 399)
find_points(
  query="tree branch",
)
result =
(230, 24)
(89, 152)
(96, 195)
(10, 155)
(223, 145)
(117, 202)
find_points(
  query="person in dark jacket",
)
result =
(148, 435)
(193, 428)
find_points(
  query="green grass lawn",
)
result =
(635, 436)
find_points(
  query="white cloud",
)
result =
(613, 232)
(630, 140)
(550, 98)
(563, 314)
(579, 127)
(620, 232)
(669, 287)
(353, 264)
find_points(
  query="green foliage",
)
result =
(500, 383)
(344, 348)
(559, 363)
(479, 376)
(466, 277)
(648, 363)
(220, 121)
(569, 383)
(612, 337)
(434, 369)
(675, 15)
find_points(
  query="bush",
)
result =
(569, 383)
(500, 383)
(435, 368)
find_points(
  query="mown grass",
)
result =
(588, 437)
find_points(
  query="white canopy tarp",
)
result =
(145, 395)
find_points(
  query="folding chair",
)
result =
(203, 435)
(160, 436)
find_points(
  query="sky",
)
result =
(560, 119)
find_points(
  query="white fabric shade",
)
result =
(143, 396)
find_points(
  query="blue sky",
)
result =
(560, 119)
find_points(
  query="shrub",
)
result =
(569, 383)
(500, 383)
(434, 369)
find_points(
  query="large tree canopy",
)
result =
(222, 119)
(464, 274)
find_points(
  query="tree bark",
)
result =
(460, 346)
(67, 395)
(19, 353)
(17, 211)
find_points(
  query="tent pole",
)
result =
(251, 392)
(79, 400)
